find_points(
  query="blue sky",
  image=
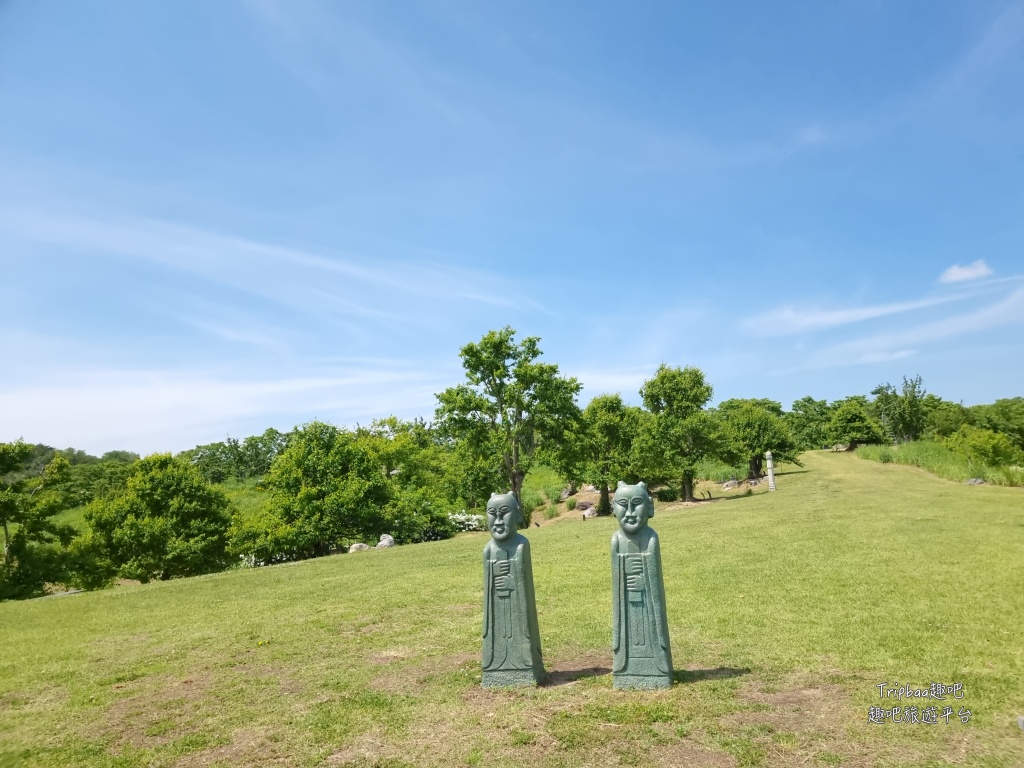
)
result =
(220, 217)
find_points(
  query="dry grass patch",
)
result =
(251, 747)
(686, 753)
(155, 713)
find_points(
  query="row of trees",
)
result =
(513, 411)
(238, 459)
(324, 487)
(992, 434)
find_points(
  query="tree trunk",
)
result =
(517, 485)
(517, 475)
(7, 541)
(754, 471)
(688, 486)
(604, 506)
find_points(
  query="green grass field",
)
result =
(786, 611)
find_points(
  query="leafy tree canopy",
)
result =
(984, 446)
(901, 412)
(681, 432)
(601, 446)
(808, 419)
(757, 426)
(1005, 416)
(33, 541)
(237, 459)
(511, 406)
(167, 521)
(852, 424)
(942, 417)
(332, 486)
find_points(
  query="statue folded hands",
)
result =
(511, 648)
(642, 654)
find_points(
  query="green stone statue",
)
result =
(511, 636)
(642, 655)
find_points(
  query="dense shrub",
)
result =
(851, 424)
(167, 521)
(984, 446)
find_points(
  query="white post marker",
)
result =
(771, 471)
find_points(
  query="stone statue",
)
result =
(511, 635)
(642, 655)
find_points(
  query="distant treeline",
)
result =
(321, 487)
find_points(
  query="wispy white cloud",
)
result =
(888, 346)
(785, 321)
(318, 43)
(958, 274)
(1003, 36)
(344, 283)
(884, 357)
(151, 410)
(553, 123)
(233, 334)
(944, 92)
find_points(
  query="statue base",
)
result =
(641, 682)
(511, 678)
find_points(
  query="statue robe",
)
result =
(642, 654)
(511, 653)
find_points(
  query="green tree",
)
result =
(33, 553)
(327, 488)
(757, 426)
(253, 456)
(681, 432)
(852, 424)
(603, 446)
(469, 476)
(808, 421)
(332, 487)
(166, 522)
(411, 458)
(77, 456)
(1005, 416)
(901, 413)
(984, 446)
(511, 406)
(942, 418)
(85, 482)
(124, 457)
(215, 461)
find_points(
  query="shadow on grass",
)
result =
(566, 676)
(792, 472)
(748, 494)
(718, 673)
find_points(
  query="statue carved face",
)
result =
(632, 506)
(503, 516)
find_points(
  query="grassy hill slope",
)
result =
(786, 611)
